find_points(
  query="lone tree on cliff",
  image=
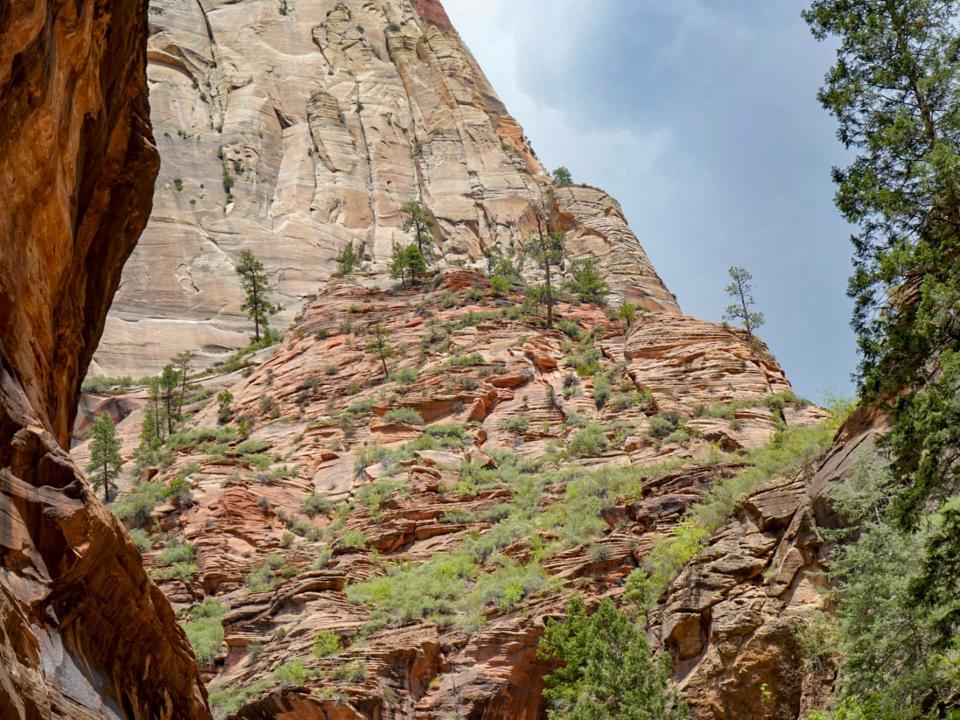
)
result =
(256, 285)
(547, 252)
(380, 347)
(562, 176)
(741, 290)
(418, 219)
(105, 460)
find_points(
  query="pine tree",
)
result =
(380, 347)
(169, 388)
(741, 290)
(183, 365)
(894, 91)
(547, 252)
(408, 264)
(105, 460)
(587, 283)
(256, 285)
(418, 219)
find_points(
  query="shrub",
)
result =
(468, 360)
(292, 672)
(135, 507)
(518, 424)
(326, 643)
(404, 376)
(177, 553)
(590, 440)
(661, 425)
(405, 415)
(248, 447)
(316, 504)
(353, 539)
(140, 539)
(587, 284)
(354, 671)
(204, 629)
(601, 390)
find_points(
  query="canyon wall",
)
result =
(83, 632)
(294, 127)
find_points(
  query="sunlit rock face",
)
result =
(83, 632)
(293, 127)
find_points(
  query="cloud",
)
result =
(699, 116)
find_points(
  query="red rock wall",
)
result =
(83, 632)
(433, 13)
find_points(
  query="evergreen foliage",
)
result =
(562, 176)
(587, 284)
(380, 346)
(256, 285)
(741, 290)
(347, 260)
(419, 220)
(895, 90)
(105, 460)
(607, 671)
(547, 251)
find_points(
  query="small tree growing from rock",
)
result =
(547, 252)
(105, 460)
(347, 261)
(407, 264)
(256, 286)
(562, 176)
(418, 219)
(741, 290)
(380, 347)
(587, 284)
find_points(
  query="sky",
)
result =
(701, 118)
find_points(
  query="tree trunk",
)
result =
(549, 295)
(255, 310)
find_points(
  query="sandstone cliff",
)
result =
(504, 485)
(292, 127)
(83, 632)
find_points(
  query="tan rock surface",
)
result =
(291, 127)
(83, 632)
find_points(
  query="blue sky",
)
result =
(701, 117)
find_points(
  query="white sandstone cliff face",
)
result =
(292, 127)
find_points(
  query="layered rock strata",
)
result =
(294, 127)
(83, 632)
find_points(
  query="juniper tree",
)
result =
(741, 290)
(895, 90)
(105, 460)
(418, 219)
(546, 249)
(256, 287)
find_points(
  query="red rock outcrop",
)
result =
(83, 632)
(338, 482)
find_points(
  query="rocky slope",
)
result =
(369, 563)
(83, 631)
(293, 127)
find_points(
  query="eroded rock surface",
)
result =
(292, 127)
(83, 632)
(332, 488)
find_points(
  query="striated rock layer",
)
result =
(83, 632)
(320, 475)
(292, 127)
